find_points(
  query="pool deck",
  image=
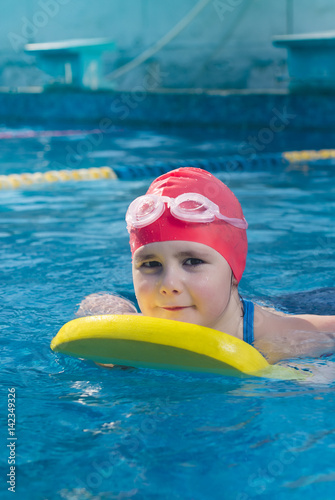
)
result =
(241, 109)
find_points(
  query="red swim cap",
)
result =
(228, 240)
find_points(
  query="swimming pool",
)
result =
(86, 432)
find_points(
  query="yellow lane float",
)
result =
(145, 342)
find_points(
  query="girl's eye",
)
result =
(193, 262)
(150, 264)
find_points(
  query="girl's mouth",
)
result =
(177, 308)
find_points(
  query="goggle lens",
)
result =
(144, 211)
(193, 207)
(145, 208)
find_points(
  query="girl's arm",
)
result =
(319, 323)
(284, 336)
(105, 303)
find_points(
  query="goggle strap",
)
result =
(240, 223)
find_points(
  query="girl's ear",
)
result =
(234, 281)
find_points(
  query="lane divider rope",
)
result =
(31, 134)
(142, 171)
(13, 181)
(298, 156)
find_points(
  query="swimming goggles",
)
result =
(187, 207)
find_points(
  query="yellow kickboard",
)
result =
(145, 342)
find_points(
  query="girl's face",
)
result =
(183, 281)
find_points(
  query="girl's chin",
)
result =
(186, 315)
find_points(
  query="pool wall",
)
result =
(243, 110)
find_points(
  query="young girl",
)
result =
(189, 247)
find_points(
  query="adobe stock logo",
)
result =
(224, 7)
(257, 143)
(40, 19)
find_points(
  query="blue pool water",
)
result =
(84, 432)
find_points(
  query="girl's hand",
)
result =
(104, 303)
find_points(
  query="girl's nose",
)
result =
(170, 283)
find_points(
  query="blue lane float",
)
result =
(142, 171)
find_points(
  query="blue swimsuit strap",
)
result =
(248, 321)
